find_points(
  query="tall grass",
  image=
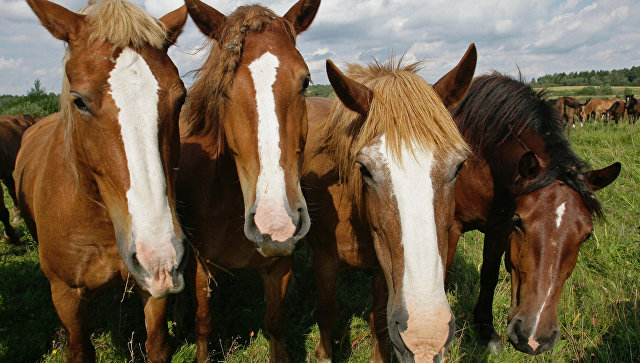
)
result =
(598, 311)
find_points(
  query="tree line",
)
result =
(616, 77)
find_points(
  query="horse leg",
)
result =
(325, 268)
(276, 279)
(155, 313)
(494, 248)
(11, 187)
(71, 306)
(378, 319)
(454, 236)
(202, 294)
(9, 233)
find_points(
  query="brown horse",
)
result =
(568, 108)
(616, 111)
(96, 181)
(380, 168)
(531, 196)
(241, 160)
(11, 130)
(632, 107)
(596, 108)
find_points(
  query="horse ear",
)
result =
(454, 85)
(529, 166)
(357, 97)
(301, 14)
(60, 22)
(174, 21)
(598, 179)
(208, 19)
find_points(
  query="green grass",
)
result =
(598, 311)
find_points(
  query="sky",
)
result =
(538, 37)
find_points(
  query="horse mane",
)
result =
(205, 106)
(405, 109)
(497, 106)
(117, 22)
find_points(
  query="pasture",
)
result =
(598, 312)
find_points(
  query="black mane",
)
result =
(496, 106)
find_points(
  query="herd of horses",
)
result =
(136, 177)
(600, 110)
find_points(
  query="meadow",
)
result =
(598, 312)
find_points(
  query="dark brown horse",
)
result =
(368, 160)
(531, 196)
(11, 130)
(633, 108)
(95, 182)
(246, 126)
(616, 111)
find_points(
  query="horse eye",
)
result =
(517, 222)
(460, 166)
(305, 82)
(365, 172)
(80, 105)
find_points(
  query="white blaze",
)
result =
(559, 214)
(271, 213)
(271, 178)
(135, 92)
(423, 279)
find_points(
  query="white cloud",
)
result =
(9, 63)
(541, 37)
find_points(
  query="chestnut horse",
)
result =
(11, 130)
(242, 157)
(568, 108)
(596, 108)
(96, 181)
(531, 196)
(380, 169)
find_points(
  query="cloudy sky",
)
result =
(540, 37)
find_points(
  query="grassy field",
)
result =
(599, 313)
(574, 91)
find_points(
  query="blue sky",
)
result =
(538, 36)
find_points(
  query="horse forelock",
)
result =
(121, 24)
(405, 109)
(205, 106)
(497, 106)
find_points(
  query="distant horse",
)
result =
(380, 168)
(596, 108)
(532, 197)
(95, 182)
(11, 130)
(616, 111)
(633, 108)
(245, 127)
(569, 108)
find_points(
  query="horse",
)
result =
(596, 108)
(632, 108)
(531, 196)
(380, 168)
(244, 128)
(95, 182)
(616, 111)
(11, 130)
(568, 108)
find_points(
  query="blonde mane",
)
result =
(121, 24)
(405, 109)
(204, 109)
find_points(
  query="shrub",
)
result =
(587, 91)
